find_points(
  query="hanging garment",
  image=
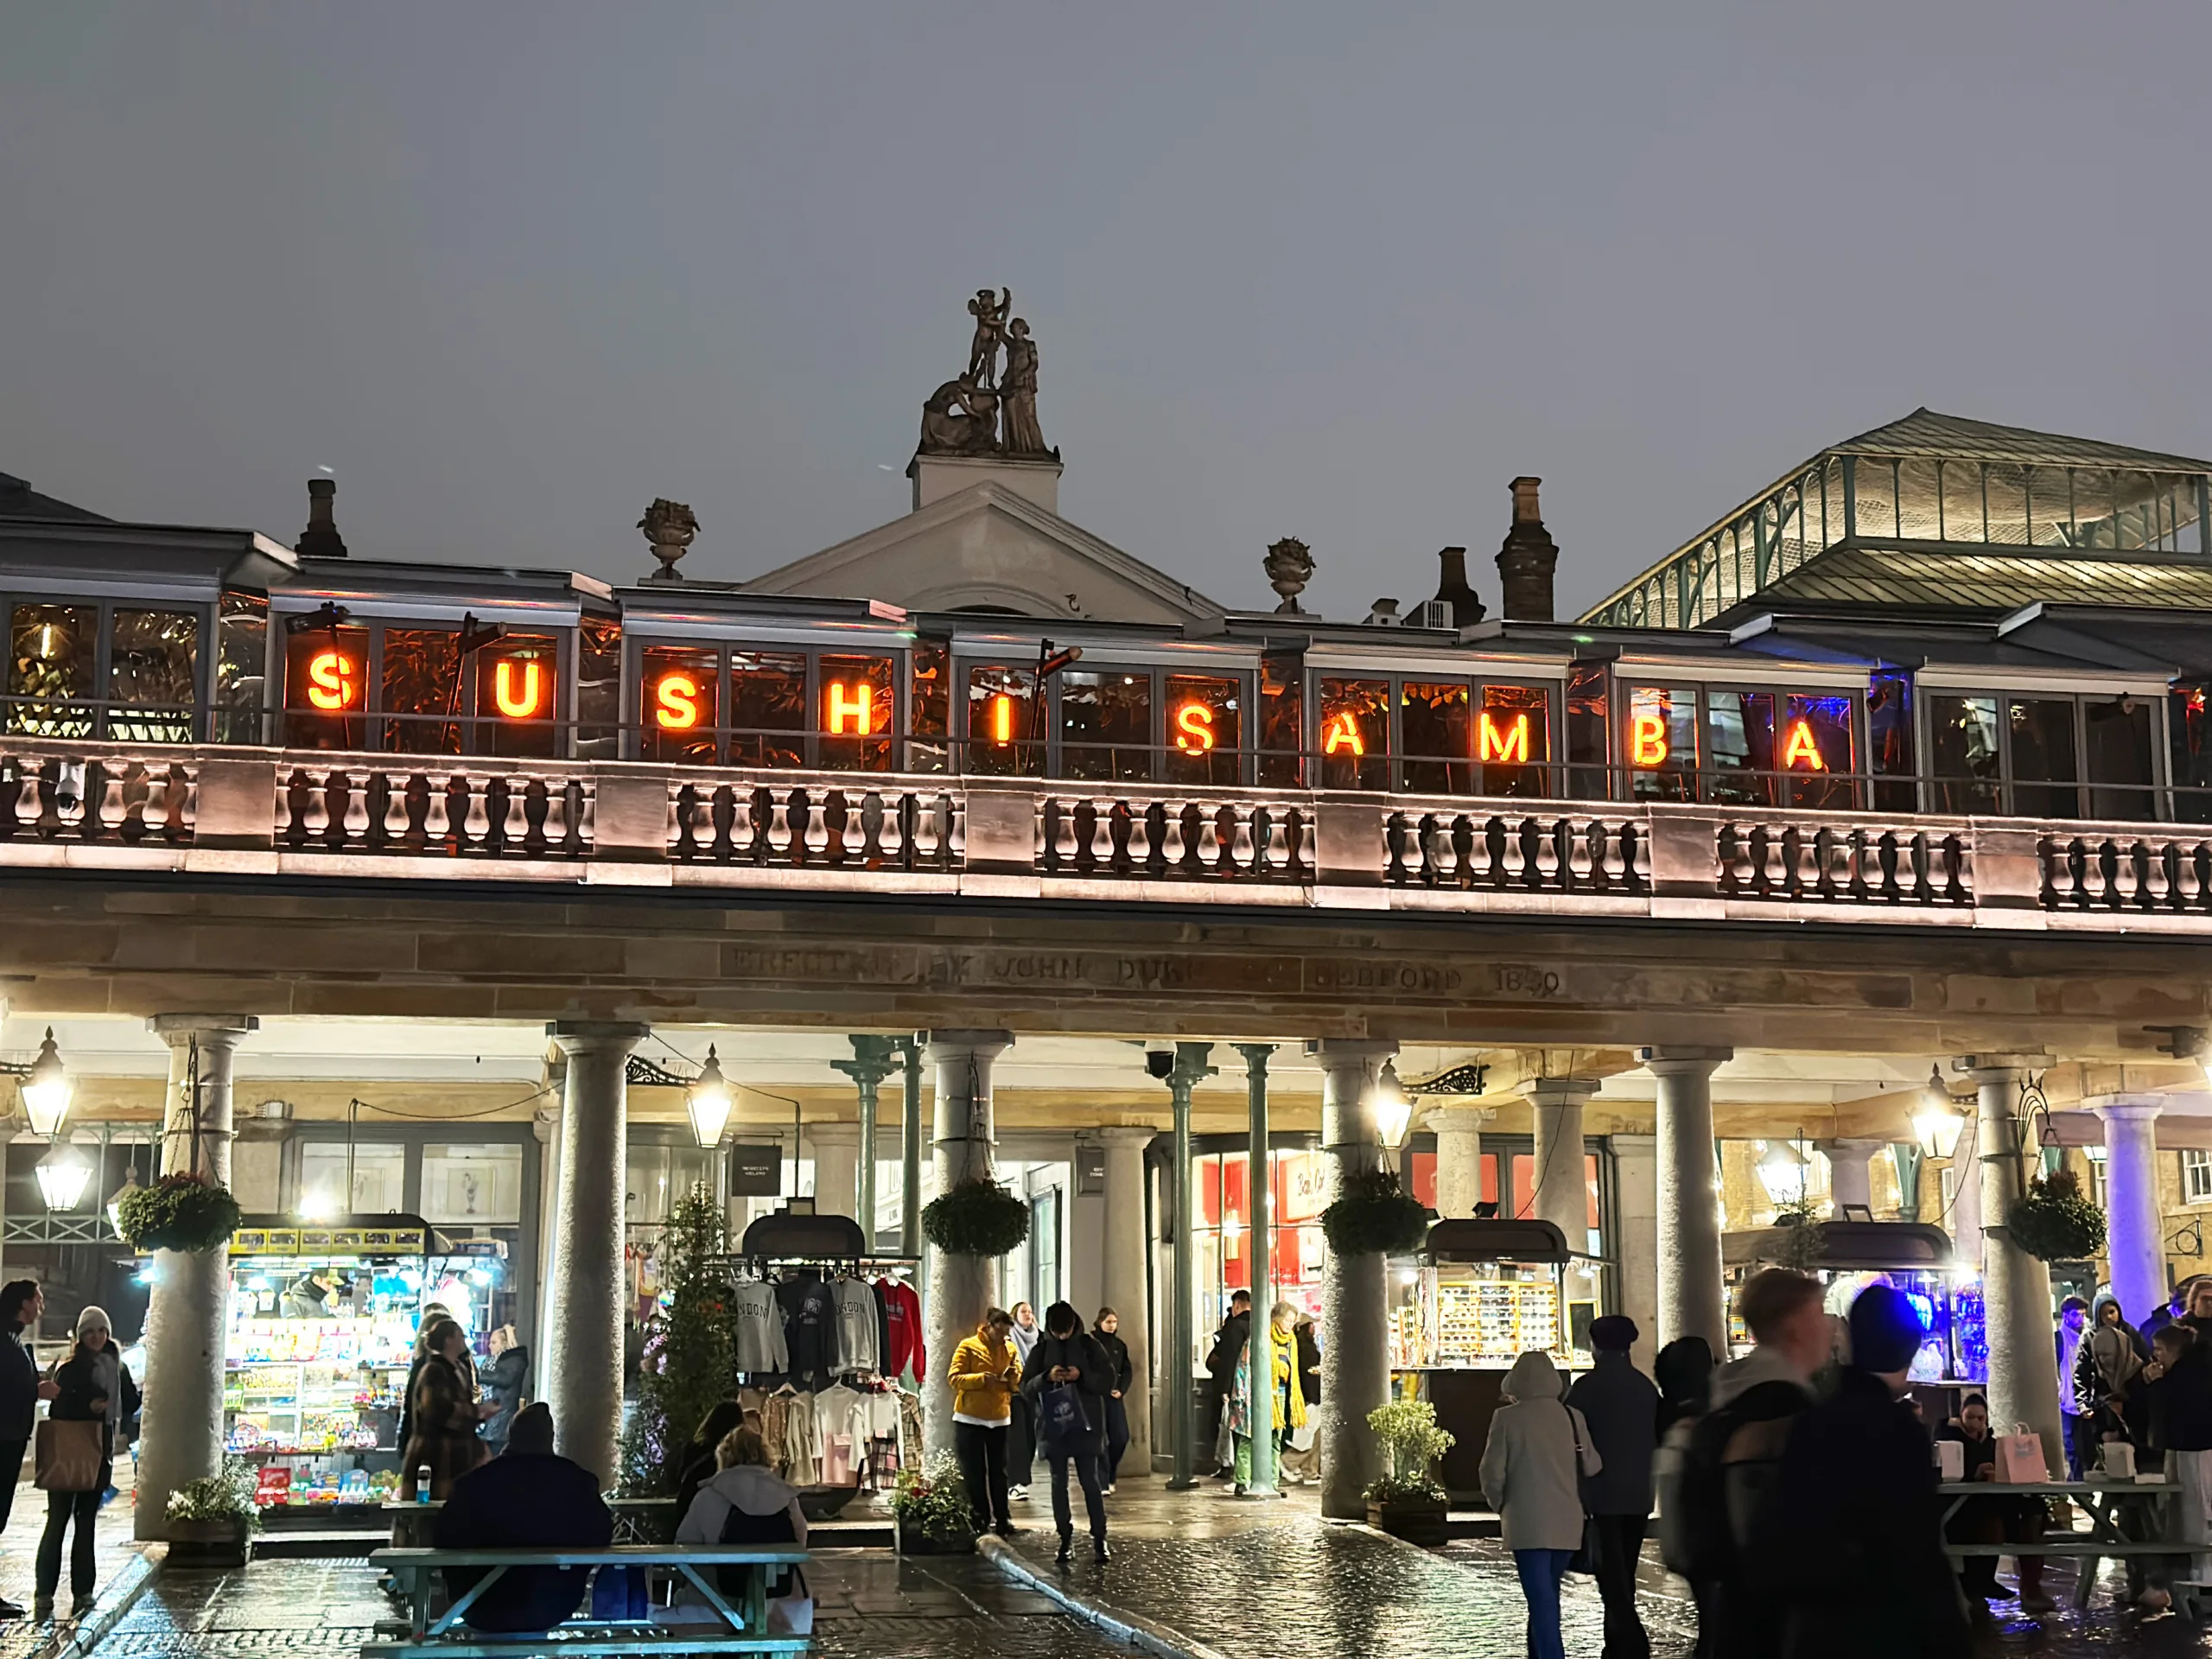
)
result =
(841, 1415)
(855, 1307)
(809, 1328)
(758, 1322)
(801, 1442)
(775, 1415)
(903, 1312)
(883, 1326)
(910, 1429)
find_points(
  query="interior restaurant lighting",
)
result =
(1394, 1112)
(62, 1176)
(708, 1100)
(1938, 1121)
(45, 1089)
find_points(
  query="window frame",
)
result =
(1702, 773)
(2160, 790)
(204, 613)
(1554, 766)
(899, 738)
(373, 716)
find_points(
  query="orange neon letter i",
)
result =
(1001, 719)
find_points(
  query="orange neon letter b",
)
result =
(678, 694)
(1648, 743)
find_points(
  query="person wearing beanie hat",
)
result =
(1860, 1559)
(1621, 1407)
(92, 1385)
(528, 1497)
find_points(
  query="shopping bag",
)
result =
(1951, 1459)
(69, 1456)
(792, 1613)
(1059, 1417)
(618, 1595)
(1301, 1437)
(2019, 1457)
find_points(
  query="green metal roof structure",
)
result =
(1942, 513)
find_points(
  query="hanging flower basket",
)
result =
(975, 1218)
(1375, 1216)
(2055, 1222)
(178, 1212)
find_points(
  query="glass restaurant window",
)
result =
(1205, 729)
(858, 711)
(420, 690)
(1105, 724)
(599, 689)
(2119, 754)
(241, 667)
(2192, 754)
(682, 689)
(1434, 729)
(1000, 743)
(1282, 724)
(1962, 740)
(767, 708)
(929, 706)
(50, 667)
(1355, 734)
(517, 685)
(153, 676)
(2044, 769)
(326, 687)
(1661, 742)
(1889, 741)
(1739, 733)
(1820, 751)
(1512, 740)
(1589, 739)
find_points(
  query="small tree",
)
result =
(689, 1356)
(1411, 1443)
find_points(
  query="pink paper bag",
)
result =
(2019, 1457)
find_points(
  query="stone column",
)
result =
(1963, 1219)
(873, 1061)
(1124, 1281)
(836, 1147)
(1183, 1293)
(1459, 1132)
(1850, 1179)
(1635, 1195)
(1260, 1251)
(1690, 1303)
(960, 1287)
(1562, 1194)
(187, 1320)
(582, 1379)
(2136, 1244)
(910, 1151)
(1354, 1307)
(2016, 1287)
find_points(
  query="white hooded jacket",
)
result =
(1530, 1472)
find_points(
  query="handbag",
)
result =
(2019, 1457)
(792, 1613)
(1060, 1418)
(1585, 1559)
(70, 1452)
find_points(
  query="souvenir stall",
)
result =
(1913, 1256)
(322, 1333)
(1480, 1294)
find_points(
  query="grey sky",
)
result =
(1329, 270)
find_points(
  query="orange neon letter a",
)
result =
(503, 688)
(1343, 733)
(1801, 748)
(1648, 743)
(1511, 745)
(859, 707)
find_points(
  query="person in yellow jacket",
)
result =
(984, 1376)
(1289, 1389)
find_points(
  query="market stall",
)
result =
(1480, 1295)
(321, 1337)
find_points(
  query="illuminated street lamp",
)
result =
(62, 1175)
(1782, 1172)
(115, 1199)
(1394, 1112)
(1937, 1123)
(45, 1089)
(708, 1100)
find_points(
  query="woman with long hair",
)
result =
(94, 1385)
(445, 1415)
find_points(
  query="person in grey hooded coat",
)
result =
(1534, 1464)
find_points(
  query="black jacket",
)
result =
(18, 1387)
(2181, 1403)
(809, 1312)
(1094, 1378)
(1309, 1363)
(1862, 1569)
(1621, 1405)
(78, 1379)
(504, 1381)
(1228, 1343)
(517, 1502)
(1117, 1361)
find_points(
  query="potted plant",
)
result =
(1374, 1215)
(212, 1521)
(975, 1218)
(2054, 1223)
(1407, 1500)
(930, 1509)
(178, 1212)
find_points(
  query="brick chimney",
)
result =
(1529, 558)
(320, 540)
(1467, 604)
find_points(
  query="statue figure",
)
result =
(974, 430)
(990, 325)
(1290, 566)
(1018, 391)
(669, 527)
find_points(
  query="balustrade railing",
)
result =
(116, 796)
(1806, 859)
(1144, 834)
(368, 803)
(1542, 846)
(2118, 866)
(825, 822)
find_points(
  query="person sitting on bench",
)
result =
(528, 1497)
(746, 1503)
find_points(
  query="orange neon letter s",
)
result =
(330, 680)
(1512, 746)
(1801, 748)
(859, 707)
(512, 706)
(1194, 726)
(678, 694)
(1648, 743)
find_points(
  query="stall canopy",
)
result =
(1845, 1246)
(1461, 1240)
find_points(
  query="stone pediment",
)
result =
(987, 547)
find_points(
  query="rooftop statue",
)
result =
(1018, 393)
(990, 327)
(989, 410)
(961, 418)
(1289, 568)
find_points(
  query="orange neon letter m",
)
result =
(1511, 745)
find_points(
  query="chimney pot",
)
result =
(320, 540)
(1529, 559)
(1466, 605)
(1526, 510)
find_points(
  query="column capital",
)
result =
(597, 1036)
(988, 1042)
(2008, 1067)
(1345, 1050)
(1674, 1061)
(2126, 1108)
(214, 1030)
(1461, 1120)
(1118, 1135)
(1560, 1091)
(1633, 1145)
(833, 1133)
(1851, 1146)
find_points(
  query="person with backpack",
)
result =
(745, 1502)
(1683, 1372)
(1860, 1529)
(1621, 1407)
(1534, 1464)
(1717, 1532)
(1067, 1358)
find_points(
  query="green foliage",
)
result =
(975, 1218)
(1411, 1443)
(178, 1212)
(1801, 1240)
(1374, 1215)
(932, 1501)
(227, 1496)
(689, 1356)
(2054, 1221)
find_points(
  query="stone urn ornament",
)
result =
(669, 528)
(1289, 568)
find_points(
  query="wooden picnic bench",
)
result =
(2097, 1500)
(743, 1628)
